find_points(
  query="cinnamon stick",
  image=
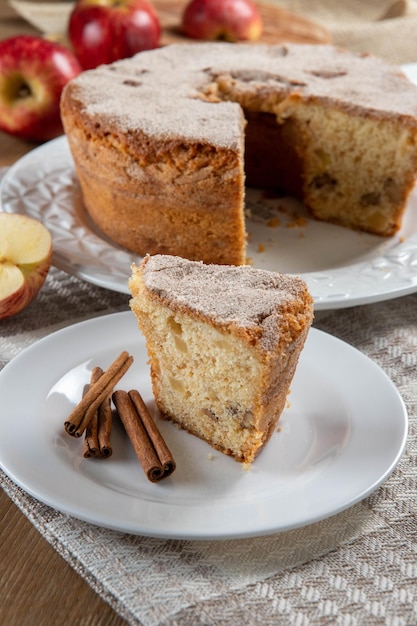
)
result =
(141, 440)
(105, 427)
(82, 414)
(164, 454)
(91, 447)
(91, 438)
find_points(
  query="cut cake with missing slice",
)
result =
(224, 343)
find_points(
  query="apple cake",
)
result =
(223, 342)
(165, 142)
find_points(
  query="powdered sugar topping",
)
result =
(227, 295)
(159, 91)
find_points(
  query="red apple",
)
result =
(25, 259)
(229, 20)
(33, 72)
(103, 31)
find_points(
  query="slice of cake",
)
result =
(224, 342)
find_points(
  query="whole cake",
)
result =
(164, 142)
(224, 343)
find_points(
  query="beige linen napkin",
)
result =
(386, 28)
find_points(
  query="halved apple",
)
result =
(25, 259)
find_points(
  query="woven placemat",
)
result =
(154, 581)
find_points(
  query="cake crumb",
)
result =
(261, 247)
(246, 466)
(273, 222)
(297, 222)
(210, 456)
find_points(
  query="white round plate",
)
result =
(340, 438)
(341, 267)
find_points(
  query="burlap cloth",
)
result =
(386, 28)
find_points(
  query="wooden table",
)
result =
(37, 585)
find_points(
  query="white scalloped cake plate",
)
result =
(339, 439)
(341, 267)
